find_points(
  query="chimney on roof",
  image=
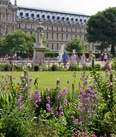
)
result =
(15, 2)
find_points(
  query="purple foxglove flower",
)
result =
(65, 102)
(65, 91)
(60, 108)
(47, 89)
(75, 121)
(57, 82)
(93, 135)
(48, 99)
(59, 96)
(73, 112)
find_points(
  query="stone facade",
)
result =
(60, 26)
(8, 17)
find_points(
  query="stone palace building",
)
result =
(60, 26)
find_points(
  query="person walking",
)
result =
(65, 57)
(105, 57)
(59, 57)
(73, 58)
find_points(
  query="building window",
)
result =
(67, 19)
(27, 15)
(85, 20)
(72, 19)
(52, 36)
(32, 15)
(48, 17)
(6, 29)
(19, 25)
(21, 14)
(57, 46)
(13, 28)
(43, 16)
(57, 36)
(53, 17)
(37, 16)
(66, 36)
(63, 18)
(58, 18)
(62, 36)
(52, 46)
(80, 20)
(31, 26)
(47, 35)
(13, 17)
(6, 17)
(76, 19)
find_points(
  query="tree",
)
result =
(18, 41)
(76, 44)
(101, 28)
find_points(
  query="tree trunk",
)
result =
(113, 50)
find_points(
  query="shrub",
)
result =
(18, 67)
(16, 122)
(36, 67)
(54, 67)
(5, 67)
(73, 67)
(29, 68)
(97, 67)
(86, 68)
(113, 65)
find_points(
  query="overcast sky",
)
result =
(88, 7)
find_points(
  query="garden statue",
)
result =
(39, 48)
(39, 34)
(61, 50)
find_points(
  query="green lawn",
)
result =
(48, 79)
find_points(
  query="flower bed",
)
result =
(89, 111)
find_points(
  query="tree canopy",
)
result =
(76, 44)
(17, 41)
(101, 28)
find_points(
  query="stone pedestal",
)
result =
(39, 52)
(39, 48)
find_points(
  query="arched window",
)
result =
(80, 20)
(76, 19)
(67, 19)
(72, 19)
(37, 16)
(21, 14)
(27, 14)
(53, 17)
(32, 15)
(62, 18)
(43, 16)
(48, 17)
(58, 18)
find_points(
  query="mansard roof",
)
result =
(52, 11)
